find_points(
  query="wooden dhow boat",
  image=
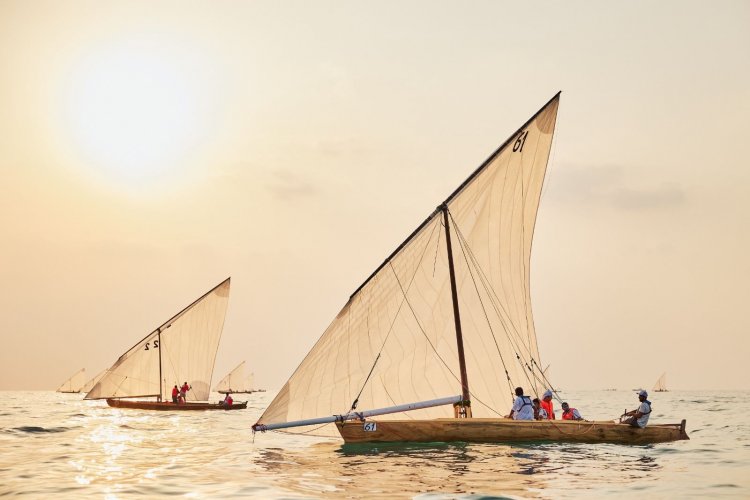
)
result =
(235, 382)
(661, 383)
(74, 383)
(449, 310)
(183, 349)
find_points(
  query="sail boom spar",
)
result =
(359, 415)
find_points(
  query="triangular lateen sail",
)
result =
(183, 349)
(661, 383)
(394, 341)
(235, 380)
(74, 383)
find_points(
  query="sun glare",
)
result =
(132, 114)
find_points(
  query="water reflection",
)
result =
(390, 469)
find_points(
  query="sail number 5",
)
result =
(518, 146)
(156, 345)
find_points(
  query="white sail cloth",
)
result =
(183, 350)
(394, 342)
(74, 383)
(235, 381)
(91, 383)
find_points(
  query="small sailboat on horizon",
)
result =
(449, 311)
(74, 383)
(661, 383)
(181, 349)
(235, 382)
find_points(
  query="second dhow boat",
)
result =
(449, 310)
(183, 349)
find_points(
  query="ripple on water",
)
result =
(31, 429)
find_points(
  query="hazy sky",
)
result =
(148, 150)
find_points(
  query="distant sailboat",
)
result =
(75, 383)
(661, 384)
(236, 383)
(449, 311)
(91, 383)
(182, 349)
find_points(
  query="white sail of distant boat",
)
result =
(236, 382)
(74, 383)
(661, 383)
(91, 383)
(183, 349)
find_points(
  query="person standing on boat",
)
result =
(183, 392)
(175, 394)
(570, 413)
(547, 404)
(539, 412)
(522, 409)
(639, 416)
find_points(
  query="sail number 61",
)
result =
(518, 146)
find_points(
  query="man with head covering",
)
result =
(546, 403)
(639, 416)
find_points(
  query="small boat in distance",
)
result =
(74, 383)
(236, 383)
(443, 328)
(661, 383)
(183, 349)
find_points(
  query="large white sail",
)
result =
(183, 349)
(91, 383)
(235, 381)
(394, 342)
(74, 383)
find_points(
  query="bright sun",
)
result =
(133, 114)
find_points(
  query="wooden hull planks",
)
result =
(167, 406)
(501, 430)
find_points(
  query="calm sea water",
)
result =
(57, 445)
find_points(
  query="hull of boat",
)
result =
(241, 392)
(502, 430)
(166, 406)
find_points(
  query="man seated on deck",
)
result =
(227, 401)
(522, 407)
(639, 416)
(547, 404)
(570, 413)
(539, 412)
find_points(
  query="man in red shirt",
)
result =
(546, 403)
(175, 393)
(183, 392)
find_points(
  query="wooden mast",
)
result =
(464, 407)
(161, 382)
